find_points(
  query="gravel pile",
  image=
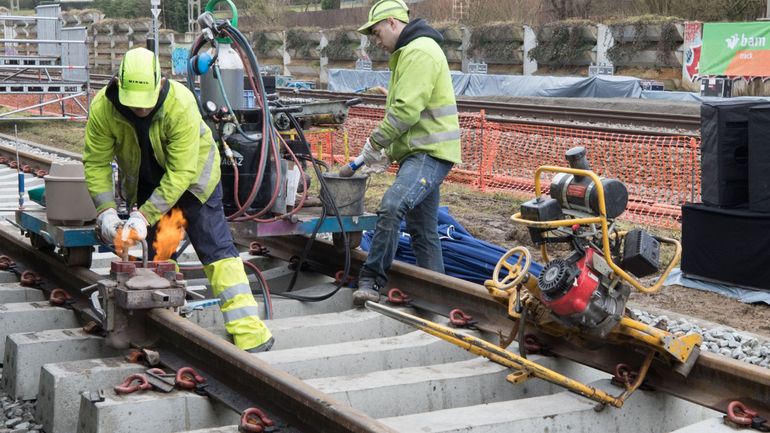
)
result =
(23, 147)
(722, 340)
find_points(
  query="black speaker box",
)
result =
(759, 158)
(724, 153)
(726, 245)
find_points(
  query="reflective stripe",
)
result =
(385, 11)
(436, 137)
(159, 203)
(104, 198)
(240, 313)
(433, 113)
(202, 129)
(380, 139)
(230, 293)
(399, 125)
(205, 177)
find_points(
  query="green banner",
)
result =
(736, 49)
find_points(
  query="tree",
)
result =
(330, 4)
(175, 14)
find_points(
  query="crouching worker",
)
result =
(168, 158)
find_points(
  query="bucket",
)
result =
(347, 192)
(68, 202)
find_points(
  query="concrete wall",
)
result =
(307, 54)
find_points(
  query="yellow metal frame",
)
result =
(602, 221)
(523, 368)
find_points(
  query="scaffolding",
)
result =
(54, 66)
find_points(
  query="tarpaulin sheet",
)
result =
(567, 87)
(465, 256)
(748, 296)
(346, 80)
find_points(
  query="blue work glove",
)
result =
(107, 224)
(135, 227)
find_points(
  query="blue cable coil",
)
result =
(465, 256)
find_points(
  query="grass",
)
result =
(63, 134)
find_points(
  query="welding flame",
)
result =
(169, 233)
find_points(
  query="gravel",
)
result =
(17, 416)
(36, 151)
(722, 340)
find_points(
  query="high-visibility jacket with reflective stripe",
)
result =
(421, 111)
(181, 142)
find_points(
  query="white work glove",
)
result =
(376, 160)
(108, 223)
(136, 223)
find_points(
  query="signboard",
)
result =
(693, 46)
(736, 49)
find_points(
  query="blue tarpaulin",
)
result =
(465, 256)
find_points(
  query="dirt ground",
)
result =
(487, 216)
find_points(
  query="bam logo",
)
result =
(743, 41)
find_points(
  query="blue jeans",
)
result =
(414, 195)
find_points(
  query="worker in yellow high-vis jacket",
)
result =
(168, 158)
(420, 131)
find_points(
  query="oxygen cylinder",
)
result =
(231, 74)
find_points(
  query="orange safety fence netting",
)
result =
(661, 172)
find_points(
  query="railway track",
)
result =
(334, 368)
(551, 115)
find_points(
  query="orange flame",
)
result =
(121, 247)
(169, 233)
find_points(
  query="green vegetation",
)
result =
(668, 40)
(562, 43)
(62, 134)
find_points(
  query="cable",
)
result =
(265, 289)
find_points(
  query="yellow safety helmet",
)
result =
(139, 79)
(384, 9)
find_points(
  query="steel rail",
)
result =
(713, 382)
(255, 380)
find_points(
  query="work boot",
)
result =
(264, 347)
(368, 290)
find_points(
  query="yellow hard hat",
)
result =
(384, 9)
(139, 79)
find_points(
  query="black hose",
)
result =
(327, 202)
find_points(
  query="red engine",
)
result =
(579, 296)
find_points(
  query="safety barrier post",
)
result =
(319, 150)
(483, 164)
(345, 144)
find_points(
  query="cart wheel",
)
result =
(40, 243)
(354, 240)
(77, 256)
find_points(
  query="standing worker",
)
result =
(420, 131)
(168, 158)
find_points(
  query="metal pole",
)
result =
(155, 14)
(18, 168)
